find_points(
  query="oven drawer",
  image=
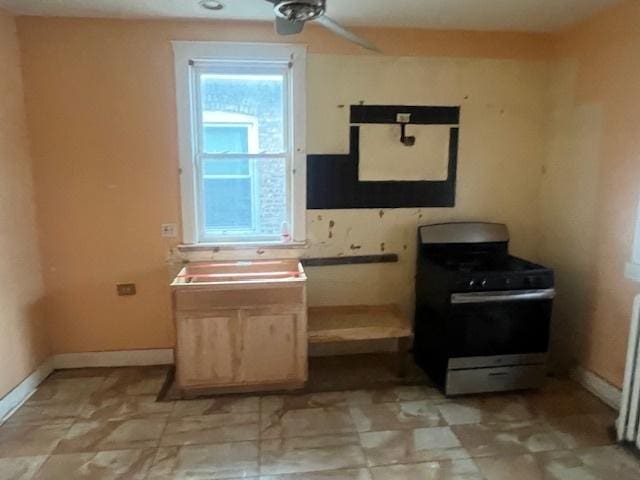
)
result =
(497, 361)
(479, 380)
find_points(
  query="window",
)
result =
(241, 127)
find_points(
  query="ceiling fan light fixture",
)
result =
(292, 15)
(299, 10)
(211, 4)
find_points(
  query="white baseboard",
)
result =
(16, 397)
(602, 389)
(120, 358)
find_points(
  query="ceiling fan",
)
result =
(291, 16)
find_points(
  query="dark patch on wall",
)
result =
(333, 183)
(349, 260)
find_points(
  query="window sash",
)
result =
(251, 58)
(240, 68)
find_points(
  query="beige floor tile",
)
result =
(62, 390)
(93, 436)
(125, 407)
(503, 467)
(408, 394)
(206, 462)
(599, 463)
(82, 373)
(396, 416)
(56, 400)
(110, 465)
(411, 432)
(446, 470)
(306, 422)
(610, 462)
(348, 474)
(411, 446)
(310, 454)
(210, 406)
(485, 409)
(20, 468)
(579, 431)
(351, 398)
(508, 438)
(42, 414)
(285, 403)
(30, 440)
(220, 428)
(561, 402)
(135, 381)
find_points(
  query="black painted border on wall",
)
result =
(419, 115)
(333, 183)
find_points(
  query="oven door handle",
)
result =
(506, 296)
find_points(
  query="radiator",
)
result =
(628, 424)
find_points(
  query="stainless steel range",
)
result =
(482, 316)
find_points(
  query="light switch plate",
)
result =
(168, 230)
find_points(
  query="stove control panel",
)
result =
(506, 282)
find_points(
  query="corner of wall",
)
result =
(24, 342)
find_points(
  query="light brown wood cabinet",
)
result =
(241, 326)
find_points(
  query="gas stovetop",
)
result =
(477, 261)
(481, 264)
(511, 273)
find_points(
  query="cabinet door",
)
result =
(207, 348)
(274, 346)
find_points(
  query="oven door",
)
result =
(497, 324)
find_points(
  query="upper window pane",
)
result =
(242, 113)
(225, 138)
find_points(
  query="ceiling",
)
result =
(522, 15)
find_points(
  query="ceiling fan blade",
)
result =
(336, 28)
(287, 27)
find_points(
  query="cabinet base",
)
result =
(194, 392)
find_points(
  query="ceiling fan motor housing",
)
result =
(299, 10)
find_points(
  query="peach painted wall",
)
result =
(23, 333)
(101, 109)
(102, 117)
(595, 179)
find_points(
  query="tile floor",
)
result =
(104, 424)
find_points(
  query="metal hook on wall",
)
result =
(407, 141)
(403, 119)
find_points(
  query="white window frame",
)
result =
(185, 54)
(632, 270)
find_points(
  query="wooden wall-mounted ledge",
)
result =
(349, 260)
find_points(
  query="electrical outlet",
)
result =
(126, 289)
(168, 230)
(403, 117)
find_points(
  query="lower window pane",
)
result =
(252, 205)
(227, 204)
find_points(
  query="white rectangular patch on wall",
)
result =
(383, 157)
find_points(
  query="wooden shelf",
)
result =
(352, 323)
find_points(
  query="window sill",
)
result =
(632, 271)
(206, 247)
